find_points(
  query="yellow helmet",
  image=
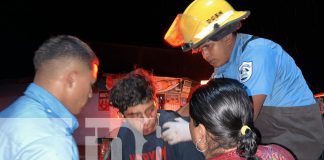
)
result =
(203, 20)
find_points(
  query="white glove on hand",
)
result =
(176, 132)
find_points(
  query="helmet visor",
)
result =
(174, 36)
(185, 31)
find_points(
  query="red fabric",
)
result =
(264, 152)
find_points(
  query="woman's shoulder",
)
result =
(273, 151)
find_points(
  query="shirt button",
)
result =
(49, 111)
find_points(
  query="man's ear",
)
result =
(239, 25)
(70, 79)
(228, 37)
(229, 40)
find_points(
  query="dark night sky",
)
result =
(25, 24)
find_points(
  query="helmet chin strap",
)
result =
(225, 31)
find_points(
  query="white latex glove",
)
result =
(176, 132)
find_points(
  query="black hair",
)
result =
(63, 46)
(223, 107)
(136, 88)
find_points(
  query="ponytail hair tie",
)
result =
(244, 128)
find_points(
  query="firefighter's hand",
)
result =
(176, 132)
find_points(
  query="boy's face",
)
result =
(143, 117)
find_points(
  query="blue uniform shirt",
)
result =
(265, 68)
(37, 127)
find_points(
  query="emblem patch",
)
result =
(245, 71)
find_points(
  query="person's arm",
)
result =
(176, 131)
(258, 101)
(258, 72)
(50, 148)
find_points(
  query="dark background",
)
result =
(128, 33)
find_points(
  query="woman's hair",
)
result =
(223, 107)
(136, 88)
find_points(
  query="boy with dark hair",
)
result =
(135, 98)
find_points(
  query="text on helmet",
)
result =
(214, 16)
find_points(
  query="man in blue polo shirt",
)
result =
(39, 125)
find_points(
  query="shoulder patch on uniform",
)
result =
(245, 71)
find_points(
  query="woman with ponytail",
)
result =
(221, 124)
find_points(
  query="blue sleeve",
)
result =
(258, 69)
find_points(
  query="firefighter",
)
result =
(285, 110)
